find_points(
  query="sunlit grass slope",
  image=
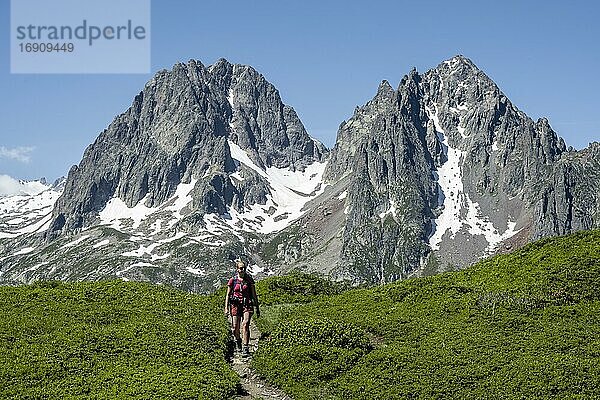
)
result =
(519, 326)
(112, 340)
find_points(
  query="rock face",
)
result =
(208, 163)
(438, 173)
(569, 199)
(205, 162)
(391, 191)
(177, 130)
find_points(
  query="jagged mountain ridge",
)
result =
(178, 129)
(204, 160)
(438, 173)
(209, 163)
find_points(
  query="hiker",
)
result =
(240, 301)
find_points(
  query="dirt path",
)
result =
(252, 386)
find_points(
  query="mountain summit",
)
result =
(208, 164)
(180, 130)
(439, 173)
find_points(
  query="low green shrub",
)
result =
(310, 351)
(297, 287)
(522, 325)
(110, 340)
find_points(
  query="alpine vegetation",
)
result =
(516, 326)
(112, 339)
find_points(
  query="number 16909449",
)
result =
(46, 47)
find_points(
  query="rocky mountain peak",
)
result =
(461, 68)
(384, 90)
(459, 61)
(449, 156)
(208, 162)
(180, 129)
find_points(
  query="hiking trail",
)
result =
(253, 387)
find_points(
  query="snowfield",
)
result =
(459, 211)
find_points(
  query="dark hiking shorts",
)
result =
(240, 309)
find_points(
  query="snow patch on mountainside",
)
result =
(75, 242)
(10, 186)
(290, 191)
(481, 225)
(458, 209)
(196, 271)
(141, 251)
(116, 212)
(101, 243)
(449, 179)
(304, 182)
(230, 97)
(25, 250)
(391, 210)
(27, 213)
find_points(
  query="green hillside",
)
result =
(112, 340)
(518, 326)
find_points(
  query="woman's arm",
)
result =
(227, 300)
(255, 300)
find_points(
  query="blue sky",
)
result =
(325, 57)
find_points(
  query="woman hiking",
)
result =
(240, 301)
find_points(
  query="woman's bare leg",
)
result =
(246, 327)
(235, 326)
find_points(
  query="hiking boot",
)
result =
(246, 351)
(238, 345)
